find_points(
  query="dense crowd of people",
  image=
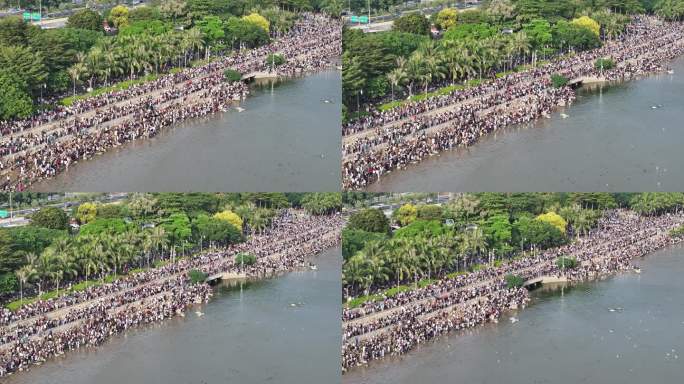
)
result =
(46, 328)
(394, 325)
(48, 143)
(387, 140)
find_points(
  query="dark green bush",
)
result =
(566, 262)
(197, 276)
(514, 281)
(558, 80)
(604, 64)
(245, 258)
(275, 60)
(232, 75)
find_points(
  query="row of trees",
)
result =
(37, 66)
(474, 44)
(672, 10)
(471, 229)
(116, 238)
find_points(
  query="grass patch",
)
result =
(161, 263)
(454, 275)
(421, 96)
(120, 86)
(14, 305)
(437, 92)
(478, 267)
(201, 62)
(503, 74)
(391, 292)
(425, 282)
(677, 232)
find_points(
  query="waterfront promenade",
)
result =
(396, 325)
(38, 331)
(389, 140)
(44, 145)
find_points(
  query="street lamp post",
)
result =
(369, 13)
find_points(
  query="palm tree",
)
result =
(402, 258)
(474, 242)
(158, 238)
(195, 40)
(68, 264)
(428, 55)
(75, 72)
(413, 71)
(456, 58)
(521, 45)
(427, 255)
(23, 275)
(355, 272)
(43, 266)
(395, 78)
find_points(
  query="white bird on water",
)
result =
(199, 314)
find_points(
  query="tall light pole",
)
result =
(369, 13)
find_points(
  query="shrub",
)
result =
(353, 240)
(275, 60)
(604, 64)
(197, 276)
(559, 81)
(51, 218)
(369, 220)
(430, 212)
(8, 283)
(245, 258)
(677, 232)
(566, 262)
(232, 75)
(514, 281)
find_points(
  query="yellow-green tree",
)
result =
(446, 18)
(230, 217)
(588, 22)
(554, 219)
(258, 20)
(119, 16)
(406, 214)
(86, 212)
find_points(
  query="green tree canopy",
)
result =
(51, 218)
(85, 19)
(369, 220)
(412, 23)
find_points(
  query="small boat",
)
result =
(637, 270)
(670, 71)
(313, 267)
(514, 319)
(199, 314)
(327, 101)
(563, 115)
(239, 109)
